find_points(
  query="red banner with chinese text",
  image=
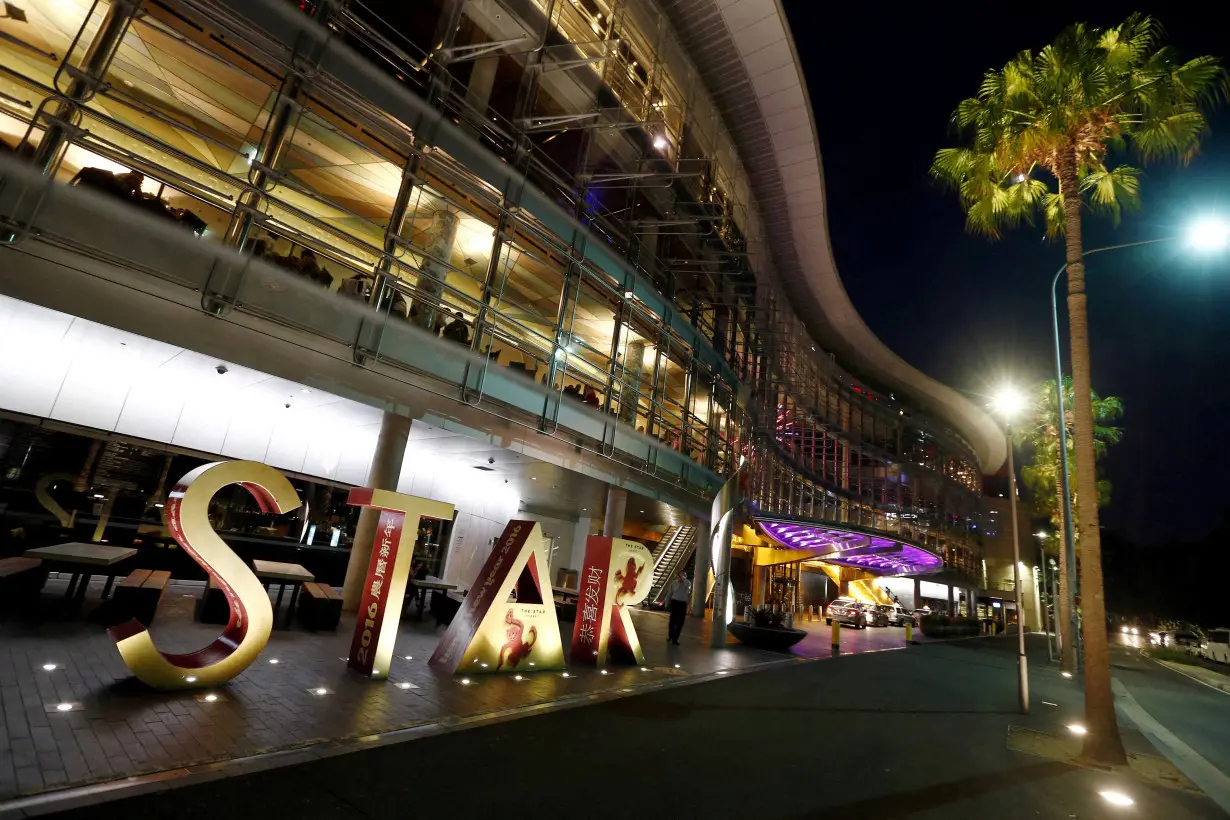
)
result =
(589, 630)
(374, 605)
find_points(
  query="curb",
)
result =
(1175, 667)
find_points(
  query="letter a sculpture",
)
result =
(506, 623)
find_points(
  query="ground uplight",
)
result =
(1077, 729)
(1117, 798)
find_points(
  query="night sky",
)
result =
(973, 313)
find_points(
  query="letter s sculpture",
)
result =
(187, 515)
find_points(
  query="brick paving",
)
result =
(119, 728)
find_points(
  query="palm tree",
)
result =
(1040, 433)
(1059, 112)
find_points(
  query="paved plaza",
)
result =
(118, 728)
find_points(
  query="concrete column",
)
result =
(441, 237)
(917, 594)
(951, 609)
(616, 506)
(700, 570)
(720, 547)
(383, 475)
(576, 557)
(478, 92)
(634, 372)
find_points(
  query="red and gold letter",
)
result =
(617, 574)
(492, 632)
(187, 516)
(384, 593)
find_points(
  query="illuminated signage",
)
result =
(251, 620)
(617, 574)
(506, 623)
(384, 591)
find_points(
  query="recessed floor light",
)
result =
(465, 681)
(1077, 729)
(319, 690)
(406, 685)
(1117, 798)
(604, 672)
(190, 679)
(1066, 674)
(409, 658)
(49, 667)
(518, 677)
(210, 698)
(644, 668)
(64, 707)
(565, 675)
(273, 660)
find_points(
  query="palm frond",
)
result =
(1111, 192)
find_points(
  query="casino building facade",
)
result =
(557, 259)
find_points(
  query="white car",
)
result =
(1217, 647)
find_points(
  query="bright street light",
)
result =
(1008, 402)
(1209, 234)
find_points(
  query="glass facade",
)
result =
(553, 190)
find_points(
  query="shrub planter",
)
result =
(777, 639)
(942, 626)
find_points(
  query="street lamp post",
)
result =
(1046, 620)
(1206, 235)
(1009, 402)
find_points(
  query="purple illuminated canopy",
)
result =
(851, 548)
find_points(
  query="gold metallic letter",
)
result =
(490, 633)
(187, 515)
(384, 593)
(618, 573)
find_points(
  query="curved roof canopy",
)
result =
(747, 57)
(850, 547)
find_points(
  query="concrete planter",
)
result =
(763, 637)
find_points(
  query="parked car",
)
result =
(896, 615)
(1188, 637)
(847, 611)
(919, 614)
(1218, 646)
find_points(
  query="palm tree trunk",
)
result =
(1102, 743)
(1063, 614)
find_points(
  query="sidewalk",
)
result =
(929, 732)
(117, 728)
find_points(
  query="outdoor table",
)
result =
(566, 593)
(83, 560)
(419, 590)
(283, 575)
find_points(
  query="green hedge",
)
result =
(943, 626)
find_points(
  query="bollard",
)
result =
(909, 632)
(836, 637)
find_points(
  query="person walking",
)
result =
(677, 596)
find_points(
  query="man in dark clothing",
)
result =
(309, 267)
(457, 330)
(677, 596)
